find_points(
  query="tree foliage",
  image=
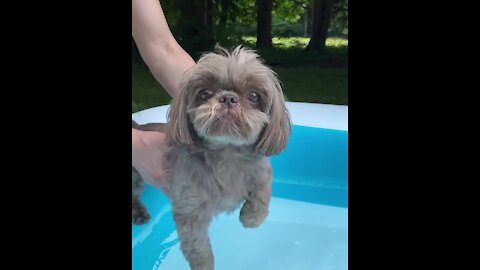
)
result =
(199, 24)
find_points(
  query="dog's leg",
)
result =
(255, 208)
(158, 127)
(139, 212)
(192, 230)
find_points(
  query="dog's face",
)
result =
(230, 98)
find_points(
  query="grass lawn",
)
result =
(297, 42)
(305, 78)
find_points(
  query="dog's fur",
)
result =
(219, 147)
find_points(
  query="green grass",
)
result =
(306, 77)
(304, 84)
(297, 42)
(146, 91)
(315, 84)
(290, 52)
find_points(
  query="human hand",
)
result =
(148, 153)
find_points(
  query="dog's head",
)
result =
(230, 98)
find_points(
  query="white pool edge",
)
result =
(304, 114)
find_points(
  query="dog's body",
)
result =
(230, 115)
(212, 184)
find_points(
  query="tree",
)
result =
(339, 22)
(264, 23)
(321, 12)
(225, 6)
(195, 29)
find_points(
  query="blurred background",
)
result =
(304, 41)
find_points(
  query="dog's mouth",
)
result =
(223, 125)
(229, 115)
(228, 121)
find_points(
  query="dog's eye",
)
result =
(254, 97)
(205, 94)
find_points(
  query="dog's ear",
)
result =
(275, 135)
(179, 130)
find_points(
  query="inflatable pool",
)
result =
(307, 228)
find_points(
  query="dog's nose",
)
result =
(228, 99)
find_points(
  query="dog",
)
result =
(228, 117)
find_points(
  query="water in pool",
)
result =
(307, 227)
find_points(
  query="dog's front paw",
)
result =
(252, 218)
(202, 266)
(140, 218)
(139, 215)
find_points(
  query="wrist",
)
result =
(136, 142)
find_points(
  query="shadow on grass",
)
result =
(290, 52)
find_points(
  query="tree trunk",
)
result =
(264, 23)
(309, 20)
(225, 5)
(305, 24)
(196, 30)
(208, 18)
(322, 11)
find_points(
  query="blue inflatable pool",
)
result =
(307, 228)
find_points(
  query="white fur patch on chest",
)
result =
(226, 140)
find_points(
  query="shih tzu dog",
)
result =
(229, 116)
